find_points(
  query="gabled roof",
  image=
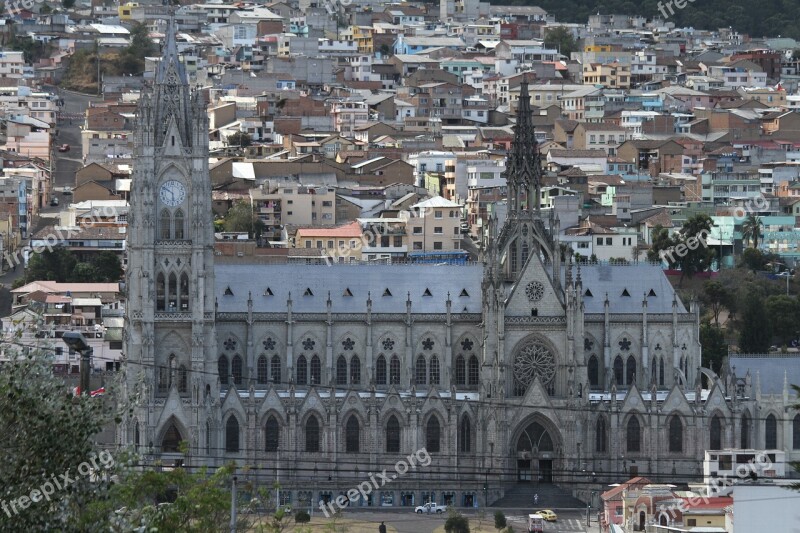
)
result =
(616, 492)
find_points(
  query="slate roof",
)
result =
(309, 286)
(637, 280)
(769, 369)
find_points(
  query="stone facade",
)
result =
(516, 369)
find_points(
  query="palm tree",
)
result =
(751, 229)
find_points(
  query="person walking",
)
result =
(382, 528)
(536, 499)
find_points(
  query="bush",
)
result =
(499, 520)
(457, 523)
(509, 529)
(302, 517)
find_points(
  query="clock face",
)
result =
(172, 193)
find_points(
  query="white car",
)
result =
(431, 508)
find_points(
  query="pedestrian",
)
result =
(382, 528)
(536, 498)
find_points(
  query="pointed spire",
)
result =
(169, 56)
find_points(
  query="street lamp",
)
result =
(76, 341)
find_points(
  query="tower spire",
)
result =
(524, 169)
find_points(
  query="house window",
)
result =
(437, 245)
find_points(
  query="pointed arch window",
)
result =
(796, 432)
(172, 293)
(236, 370)
(715, 440)
(421, 371)
(392, 435)
(136, 435)
(771, 432)
(184, 293)
(232, 435)
(171, 442)
(161, 291)
(461, 370)
(633, 435)
(675, 434)
(465, 435)
(474, 370)
(601, 436)
(272, 434)
(660, 371)
(745, 434)
(312, 434)
(183, 379)
(619, 370)
(434, 371)
(630, 370)
(302, 370)
(355, 370)
(222, 369)
(352, 436)
(594, 371)
(179, 225)
(261, 371)
(275, 369)
(341, 370)
(380, 370)
(394, 371)
(164, 224)
(432, 435)
(316, 370)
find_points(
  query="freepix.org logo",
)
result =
(333, 7)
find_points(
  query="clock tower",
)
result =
(169, 323)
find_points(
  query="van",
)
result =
(535, 523)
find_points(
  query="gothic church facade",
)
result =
(519, 368)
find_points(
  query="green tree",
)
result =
(561, 39)
(499, 520)
(241, 217)
(754, 259)
(56, 264)
(131, 59)
(68, 4)
(754, 334)
(712, 340)
(717, 297)
(783, 316)
(456, 523)
(662, 242)
(751, 229)
(239, 138)
(83, 273)
(46, 433)
(108, 267)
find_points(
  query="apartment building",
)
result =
(434, 225)
(612, 75)
(342, 244)
(600, 135)
(278, 205)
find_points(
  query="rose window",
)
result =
(534, 291)
(534, 360)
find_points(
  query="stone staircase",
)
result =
(520, 496)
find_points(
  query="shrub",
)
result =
(302, 517)
(457, 523)
(499, 520)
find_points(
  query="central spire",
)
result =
(523, 171)
(171, 94)
(170, 64)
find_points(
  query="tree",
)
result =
(783, 316)
(499, 520)
(751, 229)
(693, 254)
(712, 341)
(754, 259)
(717, 297)
(662, 242)
(561, 39)
(83, 273)
(108, 267)
(241, 217)
(131, 59)
(68, 4)
(239, 138)
(754, 335)
(456, 523)
(47, 432)
(55, 264)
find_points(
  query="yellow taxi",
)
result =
(548, 515)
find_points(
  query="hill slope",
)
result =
(757, 19)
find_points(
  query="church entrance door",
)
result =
(523, 470)
(545, 470)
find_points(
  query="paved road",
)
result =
(69, 132)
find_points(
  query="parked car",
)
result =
(431, 508)
(67, 191)
(63, 148)
(54, 201)
(548, 515)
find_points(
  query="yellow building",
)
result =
(342, 244)
(611, 76)
(362, 35)
(126, 11)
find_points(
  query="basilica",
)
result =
(522, 367)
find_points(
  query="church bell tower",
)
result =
(169, 324)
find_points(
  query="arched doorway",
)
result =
(535, 452)
(642, 518)
(170, 442)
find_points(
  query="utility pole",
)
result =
(233, 505)
(86, 357)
